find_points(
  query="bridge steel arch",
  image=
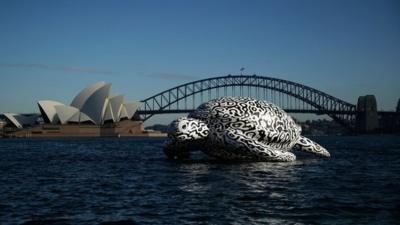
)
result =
(323, 103)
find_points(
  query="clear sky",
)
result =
(53, 49)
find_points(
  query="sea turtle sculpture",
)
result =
(239, 128)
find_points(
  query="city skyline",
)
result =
(344, 48)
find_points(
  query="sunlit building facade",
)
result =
(94, 111)
(93, 105)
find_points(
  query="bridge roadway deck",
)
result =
(315, 111)
(319, 112)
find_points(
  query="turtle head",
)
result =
(184, 129)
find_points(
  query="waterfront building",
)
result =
(93, 105)
(93, 112)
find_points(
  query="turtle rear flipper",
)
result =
(308, 145)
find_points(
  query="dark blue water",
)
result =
(129, 181)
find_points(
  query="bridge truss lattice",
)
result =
(292, 97)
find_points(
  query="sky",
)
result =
(53, 49)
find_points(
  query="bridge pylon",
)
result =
(367, 114)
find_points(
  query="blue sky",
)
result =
(53, 49)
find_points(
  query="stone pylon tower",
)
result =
(367, 114)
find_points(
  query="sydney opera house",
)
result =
(93, 112)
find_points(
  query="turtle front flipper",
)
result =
(308, 145)
(240, 144)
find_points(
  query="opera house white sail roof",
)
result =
(21, 120)
(93, 105)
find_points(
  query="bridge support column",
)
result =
(367, 114)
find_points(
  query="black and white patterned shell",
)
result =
(239, 128)
(257, 119)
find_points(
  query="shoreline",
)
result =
(121, 129)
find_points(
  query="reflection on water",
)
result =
(94, 181)
(195, 175)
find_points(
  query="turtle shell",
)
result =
(255, 118)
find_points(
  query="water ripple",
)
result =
(129, 181)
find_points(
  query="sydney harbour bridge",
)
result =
(292, 97)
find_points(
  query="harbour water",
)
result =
(130, 181)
